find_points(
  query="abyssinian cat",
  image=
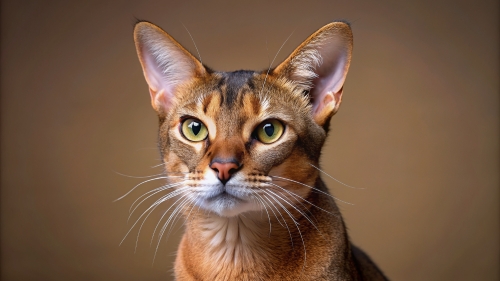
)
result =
(241, 153)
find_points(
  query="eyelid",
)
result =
(285, 124)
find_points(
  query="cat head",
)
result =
(233, 142)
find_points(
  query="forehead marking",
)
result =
(234, 82)
(251, 104)
(206, 103)
(211, 104)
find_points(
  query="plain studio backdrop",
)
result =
(418, 130)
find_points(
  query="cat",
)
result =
(241, 154)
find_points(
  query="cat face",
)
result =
(236, 141)
(230, 134)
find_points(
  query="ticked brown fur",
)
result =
(270, 216)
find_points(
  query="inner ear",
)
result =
(320, 65)
(325, 106)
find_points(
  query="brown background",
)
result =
(418, 129)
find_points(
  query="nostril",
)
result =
(224, 170)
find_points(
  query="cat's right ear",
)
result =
(165, 63)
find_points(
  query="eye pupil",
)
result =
(269, 129)
(193, 130)
(195, 127)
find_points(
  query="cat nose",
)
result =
(224, 169)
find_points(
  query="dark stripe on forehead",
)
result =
(234, 81)
(255, 102)
(221, 86)
(206, 102)
(250, 84)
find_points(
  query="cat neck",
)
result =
(239, 239)
(252, 245)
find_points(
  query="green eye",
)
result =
(194, 130)
(269, 131)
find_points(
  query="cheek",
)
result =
(296, 168)
(173, 164)
(267, 156)
(190, 154)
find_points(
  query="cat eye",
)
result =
(269, 131)
(193, 130)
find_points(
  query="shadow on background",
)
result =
(418, 129)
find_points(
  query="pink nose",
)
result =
(224, 170)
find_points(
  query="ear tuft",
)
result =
(320, 65)
(165, 63)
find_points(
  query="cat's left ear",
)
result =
(319, 65)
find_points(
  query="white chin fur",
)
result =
(227, 206)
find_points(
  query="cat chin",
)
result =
(228, 206)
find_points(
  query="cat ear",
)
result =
(165, 63)
(319, 65)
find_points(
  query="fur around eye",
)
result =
(269, 131)
(194, 130)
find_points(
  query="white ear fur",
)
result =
(165, 63)
(320, 65)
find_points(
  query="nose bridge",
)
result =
(227, 149)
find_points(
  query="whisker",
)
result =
(177, 216)
(265, 208)
(192, 208)
(286, 198)
(162, 231)
(269, 68)
(161, 188)
(296, 195)
(192, 201)
(279, 203)
(156, 204)
(154, 191)
(190, 211)
(270, 207)
(146, 181)
(335, 178)
(298, 228)
(193, 43)
(313, 188)
(139, 177)
(173, 216)
(286, 224)
(297, 209)
(164, 214)
(159, 201)
(308, 211)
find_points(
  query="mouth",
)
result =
(225, 204)
(224, 195)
